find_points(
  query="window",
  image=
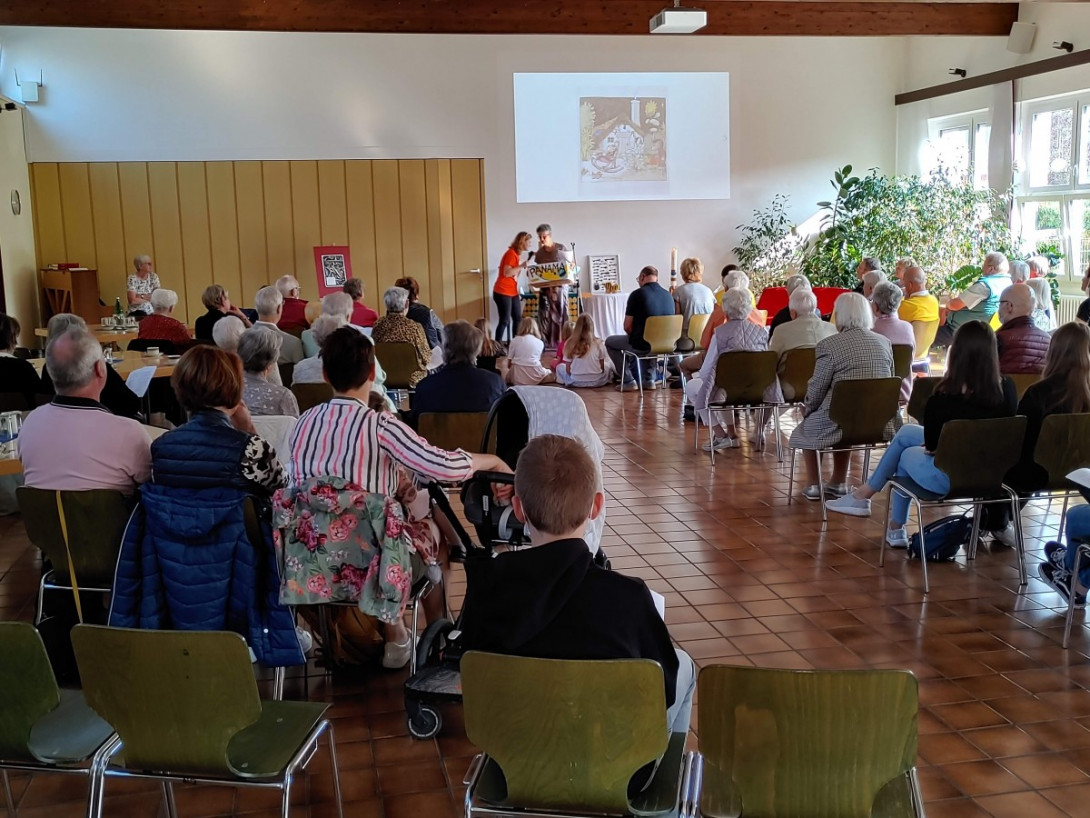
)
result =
(959, 144)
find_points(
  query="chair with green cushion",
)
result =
(95, 522)
(564, 737)
(661, 333)
(309, 395)
(796, 370)
(453, 430)
(902, 360)
(805, 742)
(400, 362)
(1062, 447)
(43, 728)
(863, 408)
(185, 706)
(744, 376)
(922, 390)
(976, 455)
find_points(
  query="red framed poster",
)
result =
(333, 267)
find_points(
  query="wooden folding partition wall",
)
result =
(244, 224)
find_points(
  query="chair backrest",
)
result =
(795, 372)
(453, 430)
(400, 363)
(13, 402)
(1063, 446)
(746, 375)
(142, 344)
(925, 332)
(276, 429)
(309, 395)
(661, 332)
(977, 454)
(803, 742)
(922, 390)
(902, 360)
(696, 328)
(287, 374)
(95, 521)
(1023, 382)
(28, 685)
(566, 734)
(863, 408)
(176, 698)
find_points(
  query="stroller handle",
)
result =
(501, 477)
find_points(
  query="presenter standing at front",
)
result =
(553, 295)
(506, 290)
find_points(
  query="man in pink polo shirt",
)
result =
(75, 443)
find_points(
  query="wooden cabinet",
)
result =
(74, 291)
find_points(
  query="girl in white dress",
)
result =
(524, 356)
(587, 363)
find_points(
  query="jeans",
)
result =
(906, 457)
(678, 714)
(510, 315)
(1078, 526)
(615, 345)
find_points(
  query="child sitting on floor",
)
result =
(524, 356)
(588, 364)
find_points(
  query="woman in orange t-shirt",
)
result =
(506, 291)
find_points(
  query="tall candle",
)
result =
(673, 258)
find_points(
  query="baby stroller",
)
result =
(524, 412)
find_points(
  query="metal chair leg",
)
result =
(821, 488)
(7, 791)
(278, 684)
(974, 534)
(1063, 518)
(1071, 596)
(791, 477)
(923, 547)
(885, 528)
(168, 798)
(916, 792)
(1019, 542)
(335, 770)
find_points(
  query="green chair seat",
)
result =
(69, 734)
(266, 747)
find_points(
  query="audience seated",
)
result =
(339, 305)
(647, 300)
(493, 355)
(1022, 346)
(1039, 266)
(854, 352)
(18, 377)
(344, 451)
(885, 300)
(422, 313)
(309, 370)
(362, 315)
(867, 264)
(784, 315)
(187, 561)
(918, 304)
(1083, 313)
(74, 443)
(871, 279)
(900, 267)
(588, 363)
(1019, 272)
(735, 278)
(458, 385)
(550, 600)
(115, 395)
(736, 335)
(980, 301)
(1060, 560)
(972, 388)
(397, 328)
(803, 329)
(524, 367)
(227, 331)
(219, 306)
(293, 316)
(259, 348)
(161, 325)
(1044, 316)
(269, 304)
(692, 298)
(561, 356)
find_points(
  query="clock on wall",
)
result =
(16, 204)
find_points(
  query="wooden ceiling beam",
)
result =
(725, 17)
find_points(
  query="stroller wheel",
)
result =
(424, 723)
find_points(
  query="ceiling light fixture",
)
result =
(678, 20)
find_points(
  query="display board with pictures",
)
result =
(604, 270)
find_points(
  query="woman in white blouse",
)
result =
(141, 285)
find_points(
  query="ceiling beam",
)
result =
(725, 17)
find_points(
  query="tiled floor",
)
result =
(1005, 712)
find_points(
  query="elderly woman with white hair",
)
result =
(783, 316)
(803, 331)
(162, 326)
(309, 370)
(736, 335)
(1044, 316)
(140, 285)
(885, 302)
(339, 305)
(227, 331)
(397, 328)
(871, 279)
(259, 348)
(855, 352)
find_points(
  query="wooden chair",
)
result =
(400, 363)
(922, 390)
(216, 729)
(976, 455)
(95, 522)
(661, 333)
(781, 743)
(43, 728)
(863, 409)
(744, 376)
(1023, 382)
(564, 737)
(1063, 446)
(309, 395)
(925, 332)
(453, 430)
(796, 369)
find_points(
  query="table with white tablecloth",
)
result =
(607, 311)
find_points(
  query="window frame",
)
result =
(971, 120)
(1071, 102)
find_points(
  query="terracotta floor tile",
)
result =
(982, 778)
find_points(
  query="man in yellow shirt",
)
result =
(918, 304)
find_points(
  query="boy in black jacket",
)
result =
(550, 601)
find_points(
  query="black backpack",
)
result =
(942, 538)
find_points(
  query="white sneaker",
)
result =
(306, 641)
(812, 493)
(1006, 537)
(629, 386)
(720, 443)
(897, 537)
(849, 505)
(396, 656)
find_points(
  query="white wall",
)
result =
(800, 108)
(17, 232)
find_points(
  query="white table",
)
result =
(607, 312)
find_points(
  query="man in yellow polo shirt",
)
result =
(918, 304)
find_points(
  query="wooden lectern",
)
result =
(74, 291)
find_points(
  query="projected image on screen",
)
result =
(622, 140)
(622, 137)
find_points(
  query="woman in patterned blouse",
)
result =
(396, 327)
(141, 285)
(259, 348)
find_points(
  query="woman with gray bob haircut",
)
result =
(259, 347)
(397, 328)
(396, 299)
(462, 343)
(116, 396)
(885, 300)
